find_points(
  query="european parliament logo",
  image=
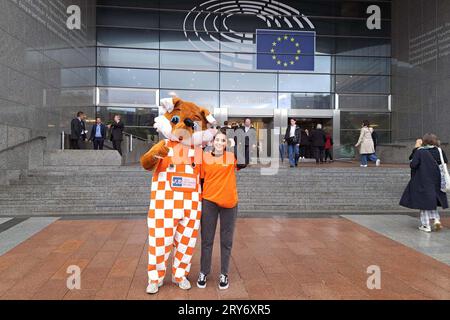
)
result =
(285, 49)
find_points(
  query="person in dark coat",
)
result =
(98, 134)
(423, 191)
(245, 142)
(318, 139)
(78, 131)
(304, 144)
(117, 128)
(292, 137)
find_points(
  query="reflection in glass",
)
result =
(254, 100)
(205, 99)
(248, 81)
(363, 65)
(128, 97)
(132, 38)
(137, 121)
(304, 82)
(176, 40)
(127, 18)
(359, 101)
(121, 77)
(304, 101)
(189, 60)
(362, 84)
(190, 80)
(115, 57)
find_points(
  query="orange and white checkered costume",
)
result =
(175, 211)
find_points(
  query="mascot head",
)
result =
(185, 122)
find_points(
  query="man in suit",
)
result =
(98, 134)
(245, 142)
(78, 131)
(318, 139)
(117, 128)
(292, 137)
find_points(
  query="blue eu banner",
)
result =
(285, 49)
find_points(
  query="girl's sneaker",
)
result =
(363, 165)
(425, 228)
(201, 282)
(223, 282)
(378, 162)
(437, 225)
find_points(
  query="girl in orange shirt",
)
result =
(220, 198)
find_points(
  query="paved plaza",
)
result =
(273, 258)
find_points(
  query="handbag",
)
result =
(445, 177)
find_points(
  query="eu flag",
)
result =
(285, 50)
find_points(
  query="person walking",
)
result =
(366, 145)
(423, 191)
(117, 128)
(304, 144)
(292, 137)
(220, 200)
(318, 143)
(98, 134)
(78, 131)
(328, 147)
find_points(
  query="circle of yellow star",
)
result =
(279, 61)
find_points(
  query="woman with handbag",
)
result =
(424, 190)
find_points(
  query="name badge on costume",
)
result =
(183, 182)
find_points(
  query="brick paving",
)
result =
(273, 258)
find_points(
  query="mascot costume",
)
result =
(175, 200)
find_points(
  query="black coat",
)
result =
(423, 191)
(304, 139)
(318, 138)
(297, 135)
(117, 131)
(102, 131)
(77, 128)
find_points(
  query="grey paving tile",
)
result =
(403, 229)
(21, 232)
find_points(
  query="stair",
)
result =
(111, 190)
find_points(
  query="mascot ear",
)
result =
(167, 104)
(208, 116)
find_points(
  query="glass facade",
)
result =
(206, 51)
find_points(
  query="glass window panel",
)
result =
(254, 100)
(190, 80)
(121, 17)
(121, 77)
(191, 21)
(363, 47)
(304, 82)
(205, 99)
(294, 100)
(370, 102)
(189, 60)
(137, 121)
(354, 120)
(247, 62)
(133, 38)
(363, 65)
(128, 97)
(177, 40)
(362, 84)
(116, 57)
(248, 81)
(130, 3)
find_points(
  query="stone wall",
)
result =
(47, 72)
(420, 69)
